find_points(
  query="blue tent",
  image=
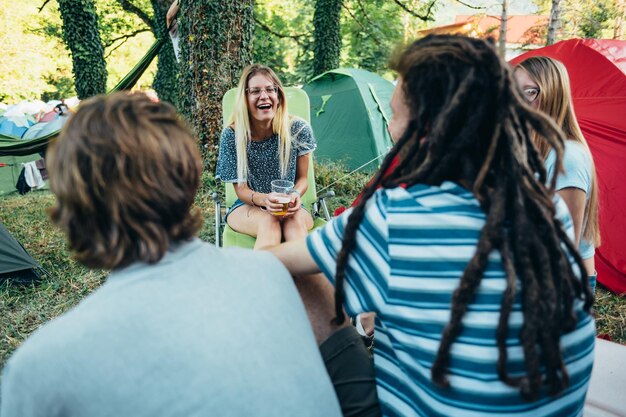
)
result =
(10, 128)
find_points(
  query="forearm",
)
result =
(296, 257)
(172, 12)
(249, 196)
(302, 174)
(302, 185)
(576, 202)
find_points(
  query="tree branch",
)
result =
(280, 35)
(114, 49)
(374, 38)
(470, 6)
(125, 38)
(131, 8)
(43, 5)
(366, 17)
(426, 17)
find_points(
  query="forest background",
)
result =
(294, 37)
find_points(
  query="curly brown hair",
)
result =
(125, 171)
(470, 124)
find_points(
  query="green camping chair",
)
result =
(224, 235)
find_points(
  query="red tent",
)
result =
(597, 70)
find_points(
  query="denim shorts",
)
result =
(238, 203)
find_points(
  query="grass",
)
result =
(24, 308)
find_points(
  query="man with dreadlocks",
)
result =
(481, 307)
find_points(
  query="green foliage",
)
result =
(216, 38)
(62, 86)
(81, 34)
(37, 62)
(125, 37)
(288, 49)
(370, 31)
(596, 19)
(326, 21)
(332, 176)
(114, 21)
(31, 63)
(586, 18)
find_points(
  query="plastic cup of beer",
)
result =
(281, 190)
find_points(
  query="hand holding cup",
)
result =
(280, 197)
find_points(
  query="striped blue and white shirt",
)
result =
(412, 247)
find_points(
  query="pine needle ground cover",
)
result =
(24, 309)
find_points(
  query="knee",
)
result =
(296, 226)
(269, 223)
(303, 220)
(296, 222)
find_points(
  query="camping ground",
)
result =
(23, 309)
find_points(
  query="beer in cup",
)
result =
(280, 194)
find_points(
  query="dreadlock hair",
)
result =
(469, 124)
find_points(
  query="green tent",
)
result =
(15, 263)
(349, 116)
(10, 168)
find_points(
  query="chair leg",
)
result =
(218, 219)
(321, 202)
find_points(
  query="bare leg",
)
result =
(318, 296)
(347, 361)
(317, 293)
(297, 226)
(255, 222)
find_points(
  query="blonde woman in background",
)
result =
(545, 84)
(263, 143)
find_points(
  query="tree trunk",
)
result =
(554, 21)
(618, 30)
(503, 22)
(216, 44)
(166, 80)
(82, 37)
(326, 21)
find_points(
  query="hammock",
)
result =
(13, 146)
